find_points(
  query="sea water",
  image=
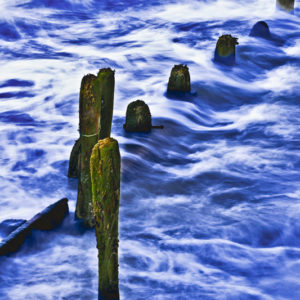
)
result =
(209, 205)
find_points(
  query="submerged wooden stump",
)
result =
(105, 176)
(287, 5)
(260, 29)
(138, 117)
(179, 80)
(95, 117)
(225, 49)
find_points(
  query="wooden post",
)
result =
(74, 160)
(179, 80)
(138, 117)
(105, 176)
(95, 117)
(225, 49)
(287, 5)
(260, 29)
(105, 86)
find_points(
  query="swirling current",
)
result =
(209, 205)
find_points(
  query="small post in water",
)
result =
(287, 5)
(105, 176)
(225, 49)
(138, 117)
(179, 80)
(261, 29)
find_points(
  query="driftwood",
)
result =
(48, 219)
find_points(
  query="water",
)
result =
(210, 204)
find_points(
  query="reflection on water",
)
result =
(210, 204)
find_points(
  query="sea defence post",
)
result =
(105, 177)
(95, 118)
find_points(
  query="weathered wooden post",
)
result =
(260, 29)
(179, 80)
(287, 5)
(138, 117)
(105, 176)
(74, 160)
(225, 49)
(95, 117)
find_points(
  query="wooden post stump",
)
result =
(73, 171)
(287, 5)
(179, 80)
(225, 49)
(95, 117)
(260, 29)
(138, 117)
(105, 176)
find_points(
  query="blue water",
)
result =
(210, 205)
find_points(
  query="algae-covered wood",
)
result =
(105, 176)
(225, 49)
(95, 117)
(179, 80)
(138, 117)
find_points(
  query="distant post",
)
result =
(287, 5)
(138, 117)
(260, 29)
(105, 177)
(225, 49)
(95, 117)
(179, 80)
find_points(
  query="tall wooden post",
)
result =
(105, 176)
(95, 117)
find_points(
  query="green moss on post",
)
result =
(287, 5)
(95, 117)
(105, 176)
(138, 117)
(225, 49)
(74, 160)
(179, 80)
(104, 89)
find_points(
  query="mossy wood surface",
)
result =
(74, 160)
(179, 79)
(226, 45)
(95, 117)
(105, 175)
(225, 49)
(138, 117)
